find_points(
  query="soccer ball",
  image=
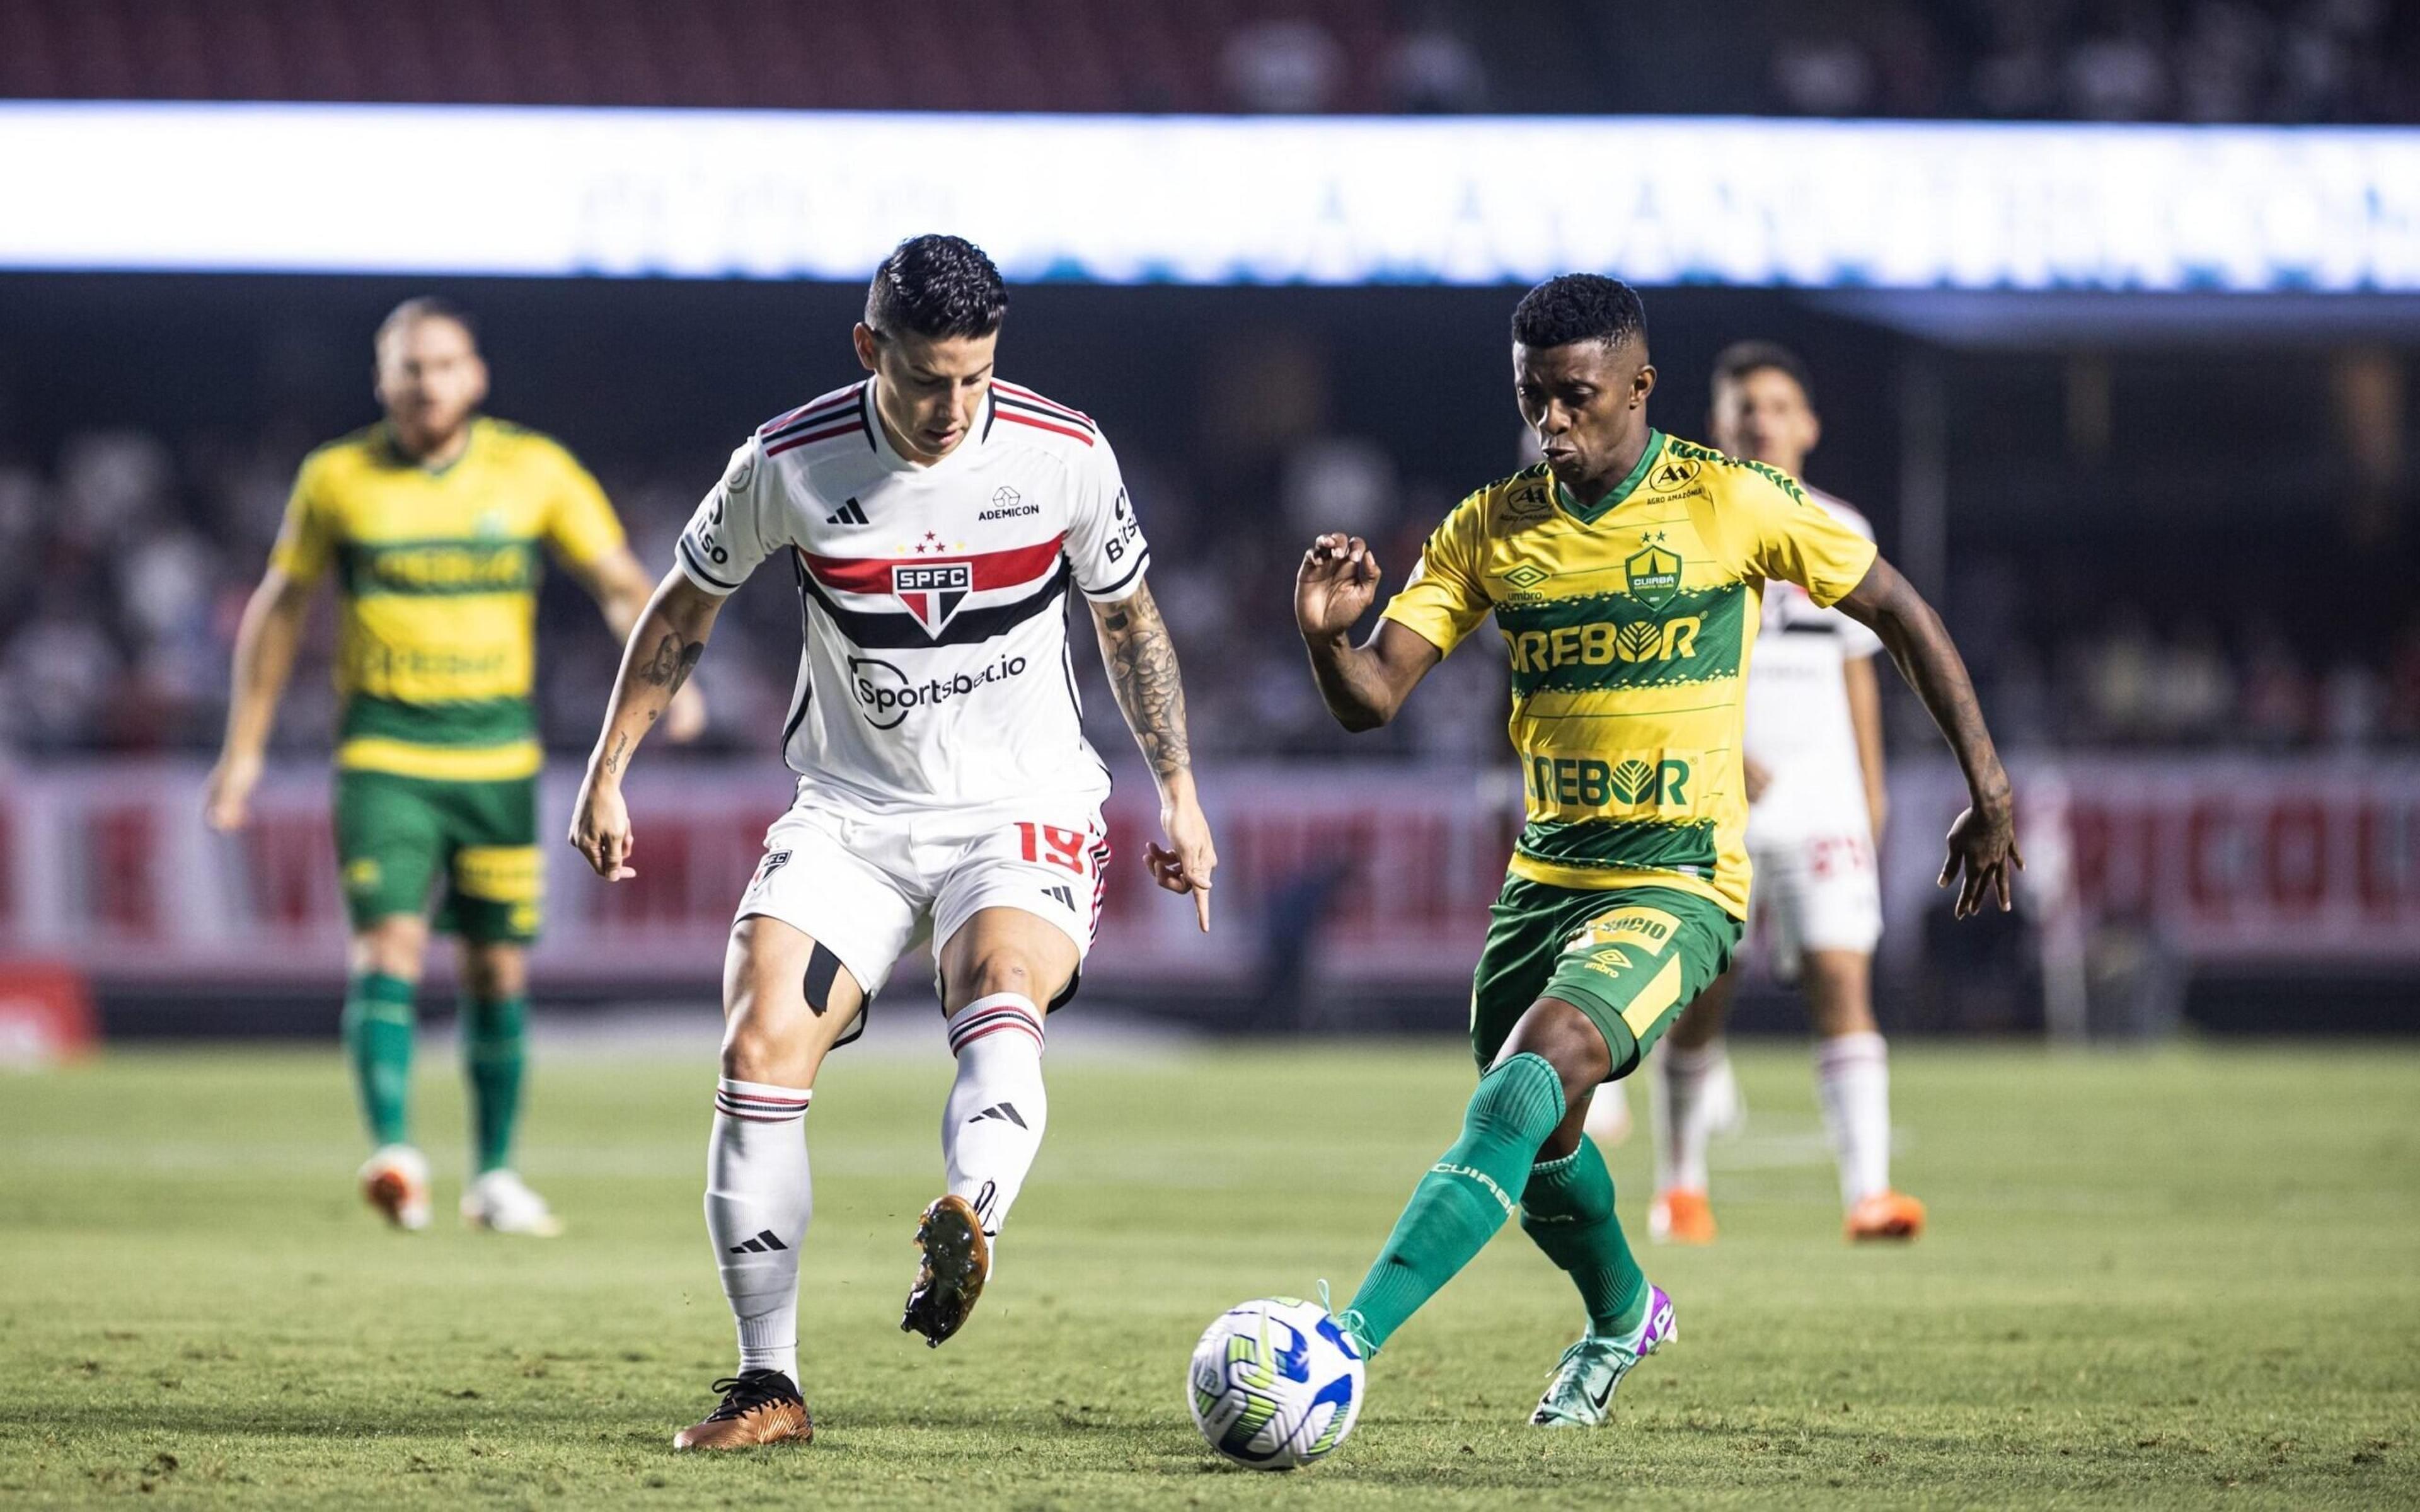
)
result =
(1275, 1384)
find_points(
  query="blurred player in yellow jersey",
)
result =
(432, 521)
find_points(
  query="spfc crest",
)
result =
(1655, 576)
(932, 591)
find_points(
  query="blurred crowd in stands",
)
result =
(2291, 61)
(2355, 61)
(124, 567)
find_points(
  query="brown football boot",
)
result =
(958, 1258)
(758, 1407)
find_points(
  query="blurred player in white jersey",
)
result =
(933, 519)
(1813, 763)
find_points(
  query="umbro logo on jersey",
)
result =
(763, 1243)
(932, 592)
(1007, 1111)
(1066, 897)
(851, 513)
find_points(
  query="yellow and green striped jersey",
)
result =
(1629, 622)
(437, 574)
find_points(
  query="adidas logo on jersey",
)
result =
(1065, 896)
(851, 513)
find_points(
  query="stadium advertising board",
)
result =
(2282, 862)
(702, 194)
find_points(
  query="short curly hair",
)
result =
(935, 286)
(1580, 308)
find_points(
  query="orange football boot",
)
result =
(1885, 1216)
(759, 1407)
(1681, 1216)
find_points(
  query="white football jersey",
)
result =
(1798, 725)
(933, 597)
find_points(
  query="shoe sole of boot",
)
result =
(804, 1433)
(955, 1258)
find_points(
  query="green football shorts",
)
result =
(1630, 958)
(397, 835)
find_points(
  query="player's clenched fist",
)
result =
(1335, 585)
(601, 830)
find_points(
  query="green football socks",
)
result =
(1568, 1209)
(378, 1042)
(493, 1057)
(1464, 1197)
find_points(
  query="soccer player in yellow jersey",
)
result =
(1626, 573)
(432, 521)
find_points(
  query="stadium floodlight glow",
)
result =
(1198, 200)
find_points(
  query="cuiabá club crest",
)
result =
(932, 591)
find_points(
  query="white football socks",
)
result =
(991, 1127)
(757, 1203)
(1853, 1083)
(1688, 1110)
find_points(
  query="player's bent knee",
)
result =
(772, 1032)
(496, 971)
(1565, 1039)
(392, 947)
(1839, 994)
(1004, 970)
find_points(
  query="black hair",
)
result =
(1580, 308)
(935, 287)
(1741, 358)
(425, 308)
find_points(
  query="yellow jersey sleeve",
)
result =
(1444, 600)
(581, 525)
(307, 536)
(1781, 533)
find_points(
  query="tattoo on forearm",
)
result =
(614, 758)
(1142, 670)
(674, 660)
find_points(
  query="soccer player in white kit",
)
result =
(1813, 763)
(933, 519)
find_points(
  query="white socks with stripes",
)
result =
(1853, 1083)
(991, 1128)
(757, 1204)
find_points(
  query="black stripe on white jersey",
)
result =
(875, 630)
(695, 560)
(806, 680)
(1064, 417)
(1141, 561)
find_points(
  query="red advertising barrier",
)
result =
(2234, 860)
(1389, 869)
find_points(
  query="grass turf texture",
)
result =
(2180, 1279)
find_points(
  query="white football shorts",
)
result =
(1816, 892)
(870, 887)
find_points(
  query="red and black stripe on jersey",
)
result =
(835, 415)
(1024, 406)
(821, 578)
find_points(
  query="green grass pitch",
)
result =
(2187, 1279)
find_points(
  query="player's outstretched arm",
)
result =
(1983, 842)
(1141, 661)
(663, 650)
(1362, 686)
(620, 586)
(265, 644)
